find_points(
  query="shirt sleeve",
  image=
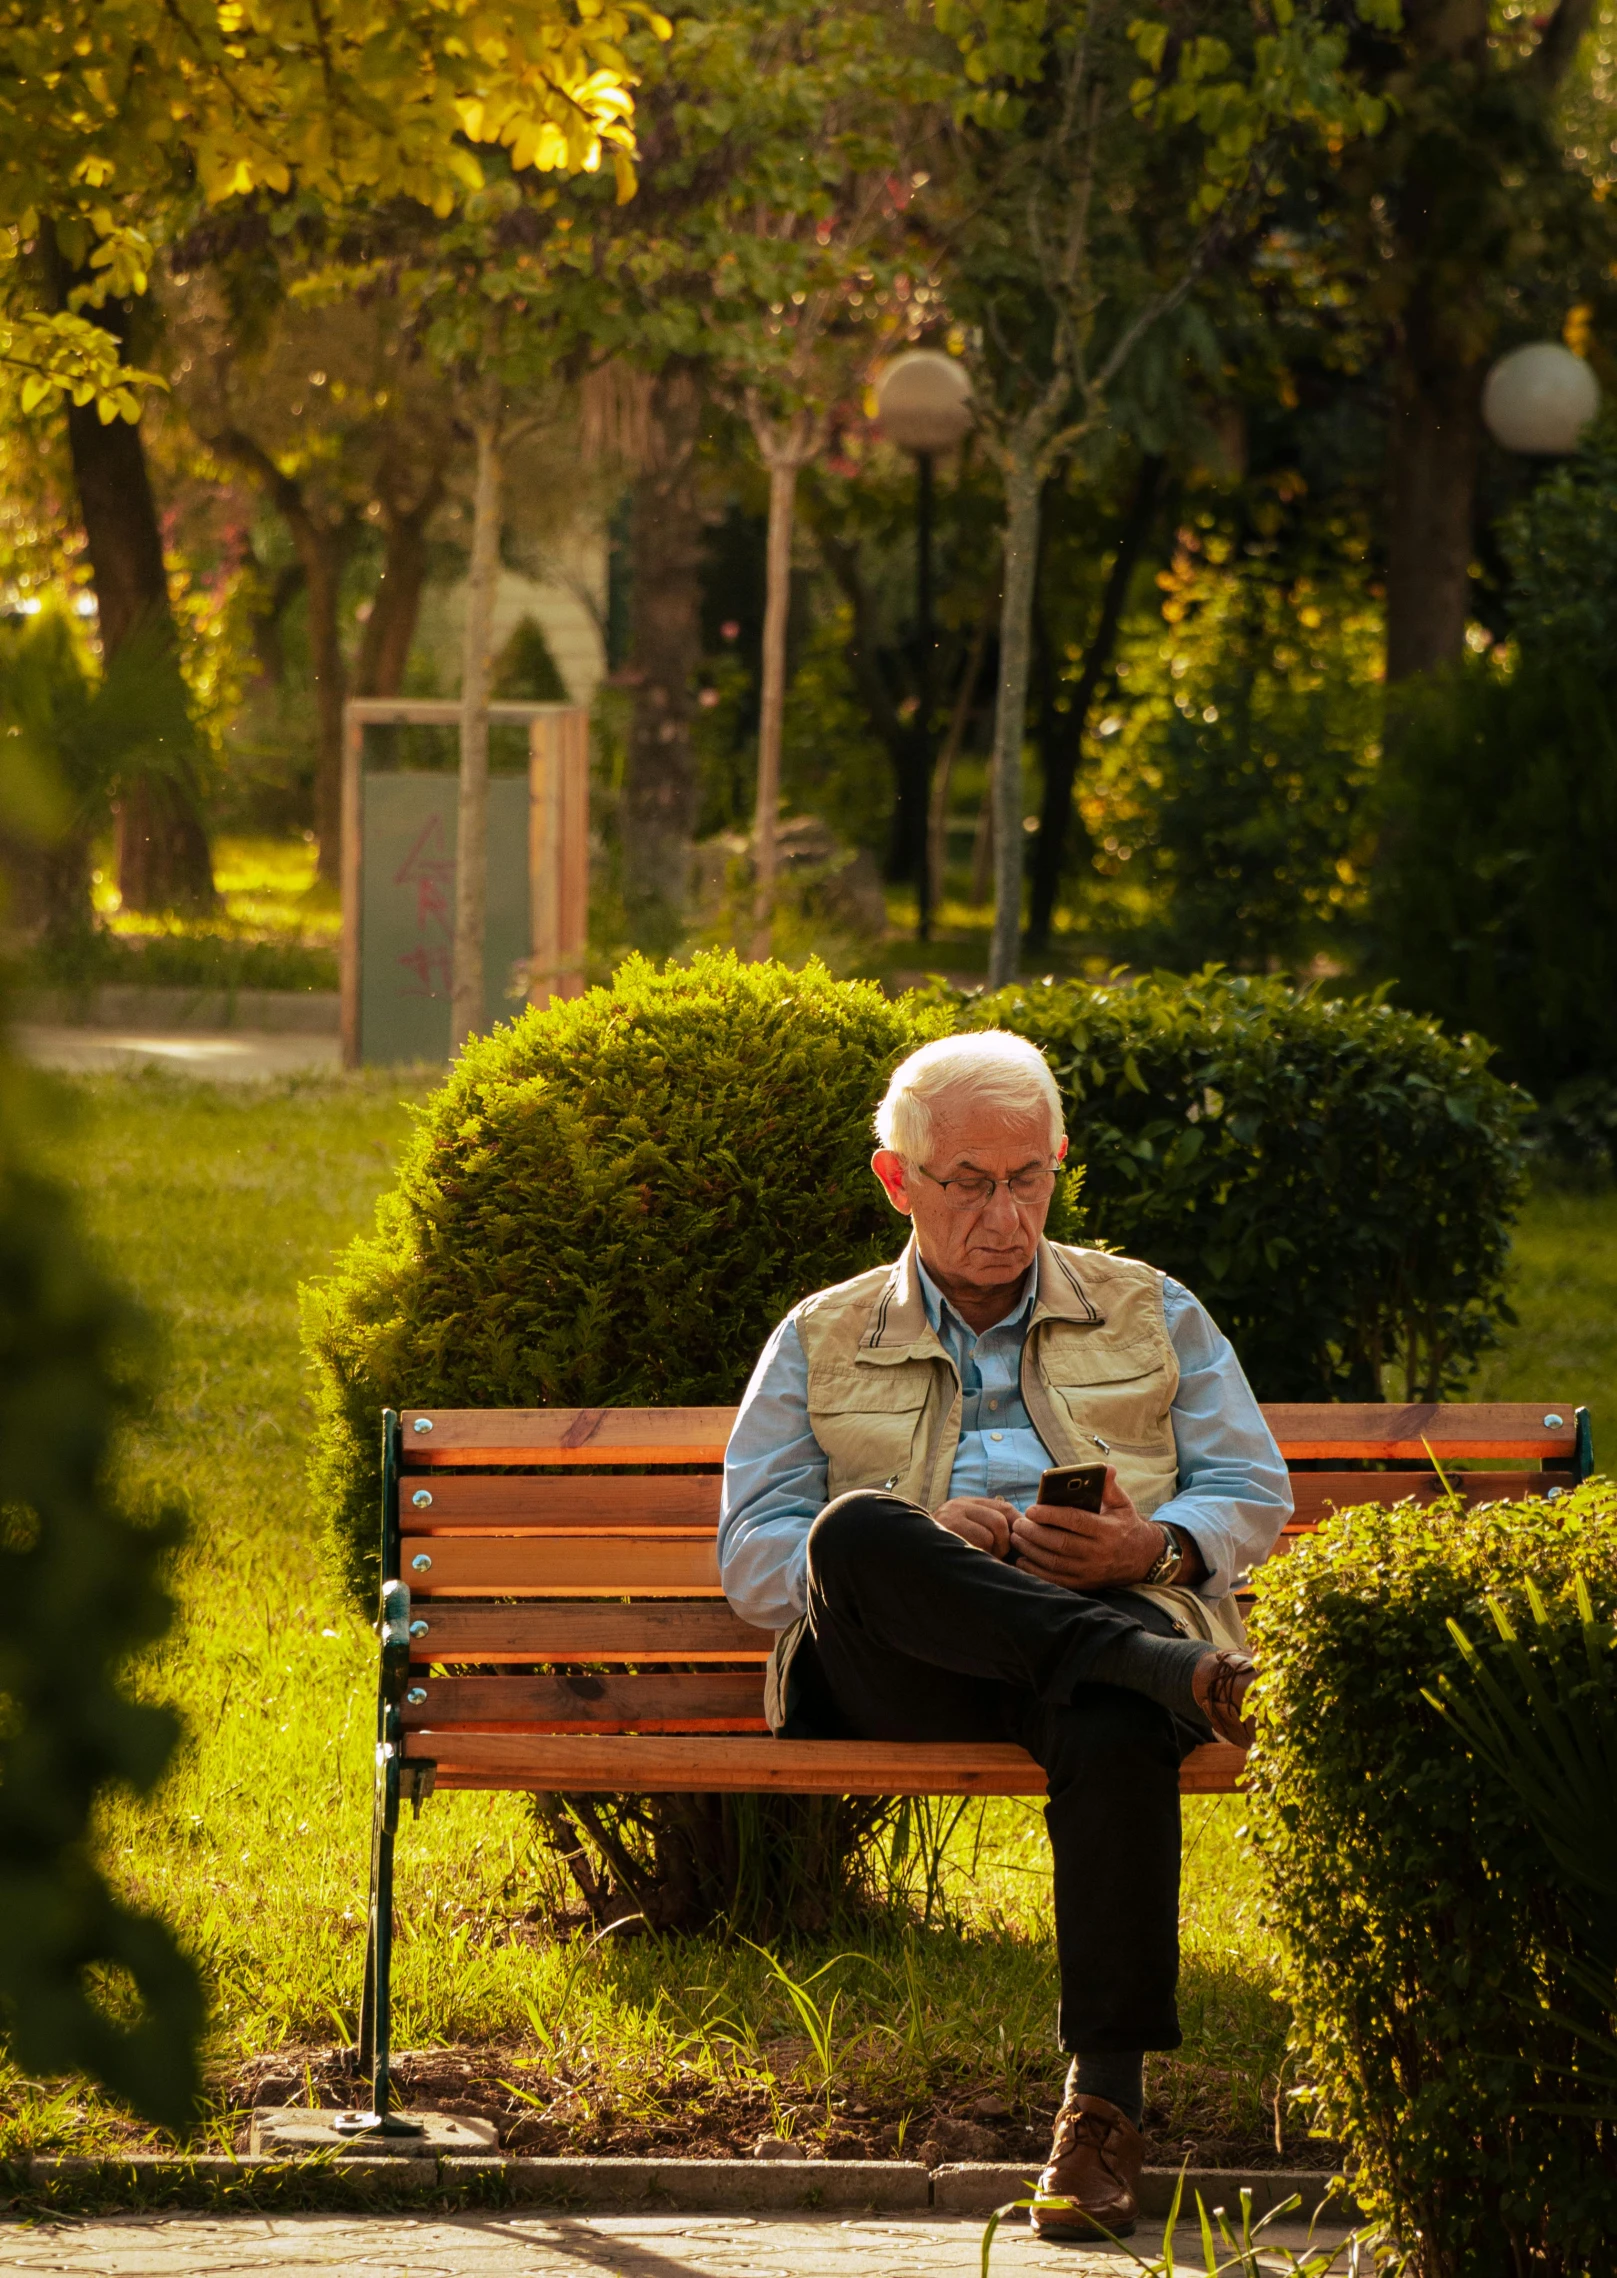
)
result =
(1234, 1491)
(774, 1488)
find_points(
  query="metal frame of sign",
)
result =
(558, 838)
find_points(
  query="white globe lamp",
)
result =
(1540, 399)
(923, 401)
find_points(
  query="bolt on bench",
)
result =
(556, 1538)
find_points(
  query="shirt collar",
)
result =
(940, 1312)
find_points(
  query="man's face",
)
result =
(984, 1245)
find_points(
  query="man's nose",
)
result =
(999, 1213)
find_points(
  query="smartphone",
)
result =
(1074, 1486)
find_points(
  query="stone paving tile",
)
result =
(538, 2245)
(229, 1056)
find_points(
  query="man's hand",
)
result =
(982, 1520)
(1087, 1550)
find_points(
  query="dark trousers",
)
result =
(913, 1635)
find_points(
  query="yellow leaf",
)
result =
(35, 389)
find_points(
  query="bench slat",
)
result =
(716, 1699)
(636, 1506)
(1307, 1433)
(698, 1763)
(1317, 1493)
(583, 1632)
(564, 1435)
(1310, 1434)
(605, 1500)
(551, 1565)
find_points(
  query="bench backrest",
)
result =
(562, 1566)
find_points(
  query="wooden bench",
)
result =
(552, 1617)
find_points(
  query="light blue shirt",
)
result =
(1233, 1496)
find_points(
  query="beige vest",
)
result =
(1098, 1378)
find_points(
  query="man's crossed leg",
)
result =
(918, 1636)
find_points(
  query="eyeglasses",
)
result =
(975, 1190)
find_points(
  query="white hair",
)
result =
(997, 1069)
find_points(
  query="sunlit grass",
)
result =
(268, 888)
(215, 1204)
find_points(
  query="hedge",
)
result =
(610, 1203)
(1335, 1179)
(1437, 1941)
(81, 1591)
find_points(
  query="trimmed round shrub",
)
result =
(1435, 1831)
(610, 1204)
(1335, 1179)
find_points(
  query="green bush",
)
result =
(1334, 1179)
(88, 1983)
(610, 1203)
(1435, 1941)
(1494, 903)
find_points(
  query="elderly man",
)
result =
(881, 1512)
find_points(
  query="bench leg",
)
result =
(365, 2048)
(375, 2051)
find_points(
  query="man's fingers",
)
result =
(1056, 1530)
(979, 1520)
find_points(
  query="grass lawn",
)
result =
(215, 1205)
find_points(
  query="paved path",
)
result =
(220, 1056)
(563, 2246)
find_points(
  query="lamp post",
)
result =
(923, 404)
(1539, 399)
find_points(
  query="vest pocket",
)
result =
(868, 1420)
(1129, 1412)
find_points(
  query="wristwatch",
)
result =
(1170, 1558)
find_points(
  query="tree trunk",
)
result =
(982, 848)
(162, 847)
(657, 813)
(772, 699)
(937, 816)
(323, 549)
(1010, 711)
(1065, 742)
(1434, 444)
(467, 1001)
(384, 651)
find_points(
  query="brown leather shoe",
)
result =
(1220, 1686)
(1095, 2163)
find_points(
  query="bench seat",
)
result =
(553, 1620)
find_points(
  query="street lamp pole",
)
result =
(924, 881)
(923, 404)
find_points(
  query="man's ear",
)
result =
(1061, 1151)
(889, 1168)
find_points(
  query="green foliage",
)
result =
(1335, 1179)
(188, 959)
(1561, 545)
(525, 672)
(1493, 906)
(85, 736)
(1235, 791)
(1432, 1933)
(87, 1982)
(611, 1202)
(1493, 903)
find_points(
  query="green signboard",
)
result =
(407, 911)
